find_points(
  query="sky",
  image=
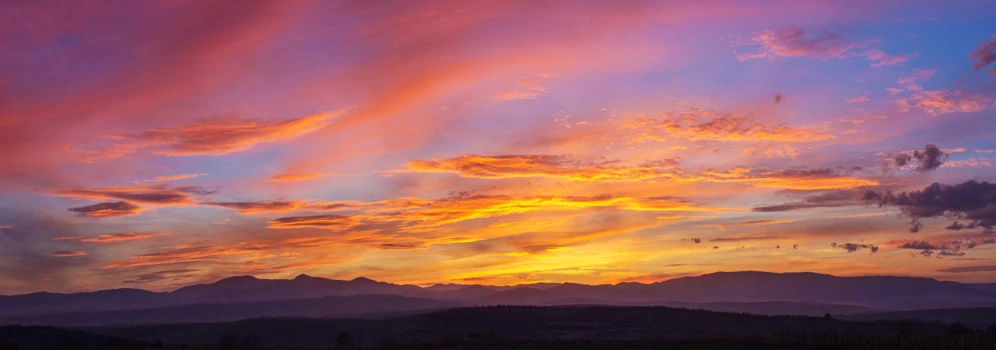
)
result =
(160, 144)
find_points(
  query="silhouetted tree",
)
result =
(827, 316)
(345, 341)
(991, 329)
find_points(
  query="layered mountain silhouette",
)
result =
(244, 297)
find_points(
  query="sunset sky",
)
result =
(156, 144)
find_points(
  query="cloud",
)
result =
(153, 194)
(938, 102)
(745, 238)
(158, 276)
(930, 158)
(328, 222)
(857, 99)
(177, 177)
(68, 253)
(829, 199)
(853, 247)
(300, 177)
(525, 166)
(928, 249)
(882, 59)
(813, 179)
(182, 255)
(403, 245)
(108, 210)
(970, 200)
(793, 42)
(6, 226)
(407, 214)
(705, 125)
(964, 269)
(984, 55)
(911, 83)
(67, 238)
(526, 89)
(125, 236)
(285, 206)
(214, 137)
(747, 223)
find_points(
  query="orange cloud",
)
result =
(125, 236)
(514, 166)
(415, 213)
(527, 89)
(747, 223)
(177, 177)
(525, 166)
(691, 126)
(68, 253)
(182, 255)
(300, 177)
(108, 210)
(862, 215)
(937, 102)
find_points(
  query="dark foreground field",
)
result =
(519, 327)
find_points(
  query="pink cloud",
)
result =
(794, 42)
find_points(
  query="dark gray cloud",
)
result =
(970, 200)
(829, 199)
(853, 247)
(984, 55)
(778, 98)
(961, 269)
(162, 276)
(928, 159)
(942, 250)
(108, 210)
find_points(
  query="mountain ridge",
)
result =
(878, 292)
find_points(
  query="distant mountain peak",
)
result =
(303, 277)
(239, 278)
(363, 280)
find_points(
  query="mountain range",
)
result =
(244, 297)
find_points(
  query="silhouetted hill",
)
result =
(249, 288)
(112, 299)
(975, 317)
(514, 323)
(34, 337)
(339, 306)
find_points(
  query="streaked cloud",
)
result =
(108, 210)
(300, 177)
(68, 253)
(213, 137)
(152, 194)
(122, 237)
(795, 42)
